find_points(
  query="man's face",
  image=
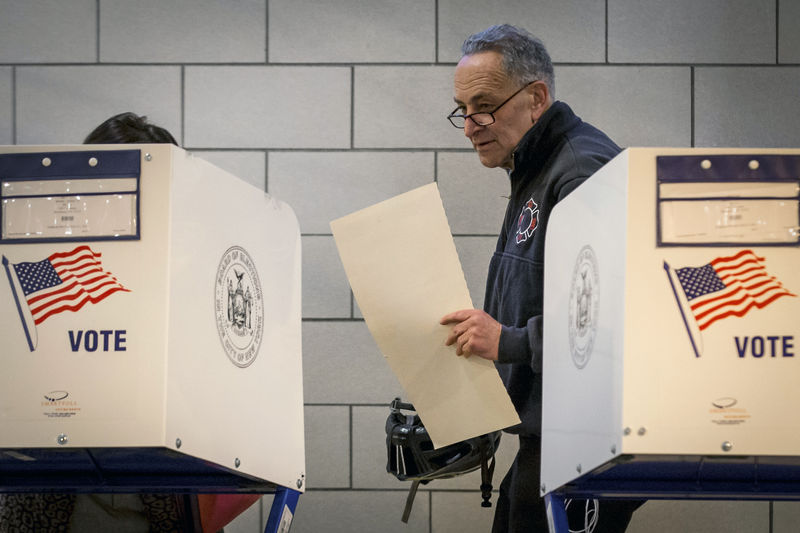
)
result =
(481, 84)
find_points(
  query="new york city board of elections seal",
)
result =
(584, 294)
(239, 306)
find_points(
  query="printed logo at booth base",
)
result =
(725, 412)
(239, 306)
(583, 306)
(58, 404)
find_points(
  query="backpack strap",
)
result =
(487, 471)
(410, 500)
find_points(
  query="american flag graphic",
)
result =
(64, 282)
(729, 286)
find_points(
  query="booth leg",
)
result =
(282, 511)
(556, 513)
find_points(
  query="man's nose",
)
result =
(470, 127)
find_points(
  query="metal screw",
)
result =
(642, 431)
(579, 468)
(727, 446)
(62, 439)
(46, 162)
(178, 443)
(92, 161)
(626, 431)
(613, 449)
(544, 489)
(299, 483)
(148, 157)
(237, 462)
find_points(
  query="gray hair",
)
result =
(525, 57)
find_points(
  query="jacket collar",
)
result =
(539, 142)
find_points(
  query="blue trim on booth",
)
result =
(119, 470)
(688, 477)
(71, 165)
(285, 500)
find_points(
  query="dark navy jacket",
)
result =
(555, 156)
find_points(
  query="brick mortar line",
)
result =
(14, 105)
(97, 33)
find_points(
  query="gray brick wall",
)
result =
(182, 31)
(692, 31)
(352, 31)
(333, 106)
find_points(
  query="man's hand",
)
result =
(474, 333)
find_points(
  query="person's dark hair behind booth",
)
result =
(128, 128)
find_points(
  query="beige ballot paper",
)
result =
(405, 274)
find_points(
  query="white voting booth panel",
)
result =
(671, 328)
(191, 344)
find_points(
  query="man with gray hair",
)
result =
(504, 90)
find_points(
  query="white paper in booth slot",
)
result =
(404, 270)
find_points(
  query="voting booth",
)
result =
(150, 323)
(671, 330)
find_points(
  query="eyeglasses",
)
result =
(482, 118)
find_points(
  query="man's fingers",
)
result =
(473, 332)
(462, 340)
(458, 330)
(451, 339)
(462, 332)
(448, 319)
(456, 316)
(464, 349)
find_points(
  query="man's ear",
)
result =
(540, 100)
